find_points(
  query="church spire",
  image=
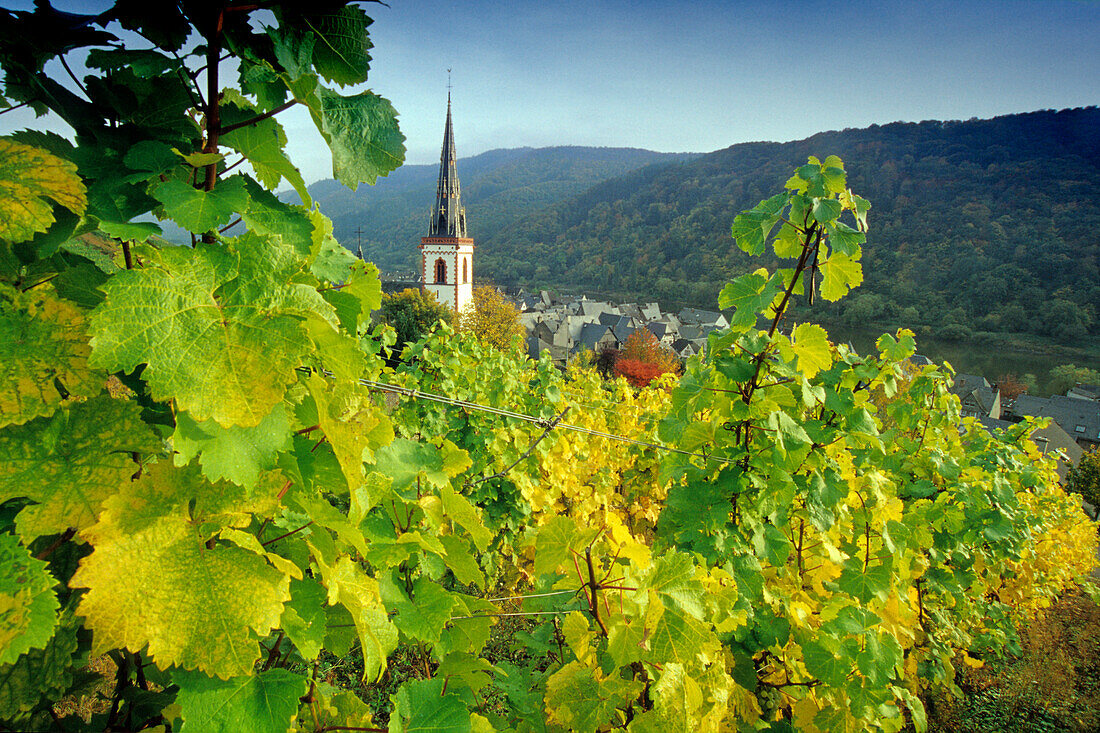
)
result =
(448, 217)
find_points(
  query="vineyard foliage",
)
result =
(203, 481)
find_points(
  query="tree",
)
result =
(492, 319)
(643, 359)
(1065, 376)
(1011, 386)
(1084, 479)
(413, 313)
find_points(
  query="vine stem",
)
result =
(65, 537)
(283, 536)
(594, 601)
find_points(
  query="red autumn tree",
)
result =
(643, 359)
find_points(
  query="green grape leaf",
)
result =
(28, 604)
(236, 454)
(424, 615)
(810, 343)
(136, 231)
(341, 49)
(333, 262)
(425, 705)
(823, 661)
(71, 462)
(750, 294)
(262, 143)
(578, 698)
(197, 210)
(44, 340)
(406, 460)
(840, 273)
(751, 228)
(842, 238)
(218, 330)
(267, 215)
(40, 674)
(875, 582)
(461, 562)
(28, 177)
(304, 617)
(362, 132)
(826, 210)
(200, 606)
(261, 703)
(916, 707)
(359, 593)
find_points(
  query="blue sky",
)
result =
(698, 76)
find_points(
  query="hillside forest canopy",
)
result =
(226, 507)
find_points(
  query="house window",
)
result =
(440, 271)
(465, 271)
(1079, 429)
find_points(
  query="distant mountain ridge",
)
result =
(498, 187)
(981, 224)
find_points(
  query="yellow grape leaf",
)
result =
(28, 177)
(360, 594)
(811, 345)
(44, 340)
(352, 425)
(152, 580)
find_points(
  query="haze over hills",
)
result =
(983, 224)
(498, 187)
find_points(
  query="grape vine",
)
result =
(203, 485)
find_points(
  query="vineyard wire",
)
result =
(540, 421)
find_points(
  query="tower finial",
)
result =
(448, 86)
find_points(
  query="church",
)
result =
(447, 253)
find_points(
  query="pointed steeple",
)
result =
(448, 217)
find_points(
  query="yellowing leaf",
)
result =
(44, 340)
(28, 177)
(218, 328)
(811, 344)
(840, 273)
(201, 608)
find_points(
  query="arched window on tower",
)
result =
(465, 271)
(440, 271)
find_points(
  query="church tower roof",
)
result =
(449, 216)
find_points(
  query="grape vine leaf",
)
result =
(261, 703)
(70, 462)
(262, 144)
(840, 273)
(28, 177)
(200, 606)
(751, 228)
(750, 294)
(236, 454)
(304, 617)
(216, 332)
(423, 616)
(28, 604)
(44, 340)
(578, 698)
(362, 132)
(201, 211)
(425, 705)
(39, 674)
(341, 50)
(359, 593)
(810, 343)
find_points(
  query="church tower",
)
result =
(447, 254)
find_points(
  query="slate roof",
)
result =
(1084, 392)
(1079, 418)
(977, 391)
(591, 335)
(657, 329)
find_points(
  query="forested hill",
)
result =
(986, 224)
(498, 187)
